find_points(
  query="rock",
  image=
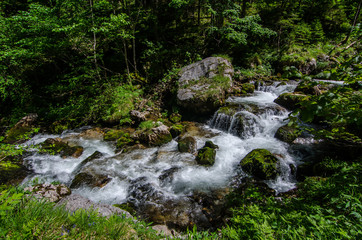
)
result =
(163, 230)
(92, 134)
(287, 134)
(138, 117)
(58, 146)
(290, 100)
(156, 136)
(187, 144)
(175, 117)
(95, 155)
(206, 155)
(309, 67)
(74, 202)
(202, 85)
(113, 135)
(12, 170)
(90, 179)
(52, 193)
(176, 130)
(261, 164)
(24, 127)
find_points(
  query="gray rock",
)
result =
(74, 202)
(203, 84)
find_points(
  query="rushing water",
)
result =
(162, 174)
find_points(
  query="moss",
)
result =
(124, 140)
(290, 100)
(260, 163)
(229, 110)
(177, 130)
(187, 144)
(148, 124)
(57, 146)
(175, 117)
(113, 135)
(247, 88)
(18, 133)
(206, 156)
(287, 134)
(127, 207)
(161, 139)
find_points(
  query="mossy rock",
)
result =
(177, 130)
(113, 135)
(187, 144)
(260, 163)
(57, 146)
(123, 141)
(156, 136)
(129, 207)
(247, 88)
(12, 171)
(175, 117)
(229, 110)
(291, 100)
(18, 133)
(206, 155)
(287, 134)
(95, 155)
(91, 180)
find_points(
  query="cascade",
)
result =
(163, 179)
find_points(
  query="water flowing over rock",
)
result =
(203, 84)
(167, 186)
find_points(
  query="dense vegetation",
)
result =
(76, 61)
(91, 62)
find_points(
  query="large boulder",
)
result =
(202, 85)
(260, 163)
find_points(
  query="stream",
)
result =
(166, 186)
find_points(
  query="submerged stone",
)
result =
(260, 163)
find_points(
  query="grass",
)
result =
(24, 218)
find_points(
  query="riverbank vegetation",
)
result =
(77, 63)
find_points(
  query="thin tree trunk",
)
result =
(94, 40)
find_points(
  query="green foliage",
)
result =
(147, 125)
(27, 218)
(322, 208)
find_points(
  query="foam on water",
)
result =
(168, 171)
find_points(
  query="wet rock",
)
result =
(58, 146)
(260, 163)
(177, 130)
(287, 134)
(290, 100)
(53, 193)
(25, 126)
(74, 202)
(206, 155)
(90, 179)
(93, 134)
(95, 155)
(187, 144)
(12, 170)
(202, 85)
(156, 136)
(167, 175)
